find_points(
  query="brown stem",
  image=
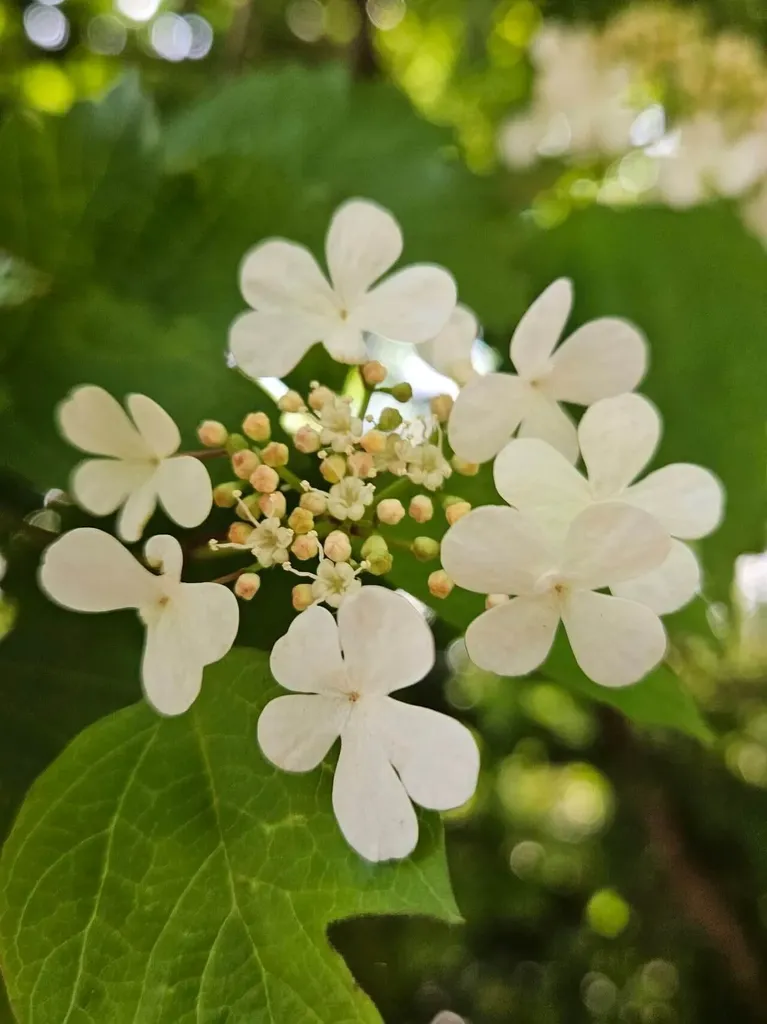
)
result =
(207, 453)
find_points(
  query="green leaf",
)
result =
(162, 871)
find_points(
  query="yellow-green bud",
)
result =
(236, 443)
(251, 505)
(379, 563)
(390, 418)
(400, 392)
(374, 545)
(224, 494)
(333, 468)
(301, 520)
(425, 548)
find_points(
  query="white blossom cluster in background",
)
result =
(603, 551)
(677, 114)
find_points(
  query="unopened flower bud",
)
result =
(390, 418)
(291, 401)
(302, 596)
(257, 427)
(463, 467)
(245, 463)
(440, 584)
(273, 505)
(275, 454)
(425, 548)
(441, 406)
(333, 468)
(301, 520)
(246, 586)
(361, 464)
(374, 544)
(306, 546)
(374, 442)
(390, 511)
(239, 533)
(307, 440)
(319, 396)
(338, 546)
(249, 505)
(236, 443)
(224, 494)
(401, 392)
(379, 563)
(374, 372)
(493, 600)
(421, 508)
(457, 510)
(212, 434)
(265, 480)
(314, 501)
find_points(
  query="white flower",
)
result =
(349, 498)
(270, 541)
(334, 582)
(393, 459)
(391, 752)
(340, 430)
(295, 306)
(498, 550)
(618, 437)
(602, 358)
(141, 465)
(427, 465)
(188, 625)
(450, 351)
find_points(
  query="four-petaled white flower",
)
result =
(140, 468)
(340, 429)
(618, 437)
(294, 306)
(349, 498)
(393, 459)
(391, 752)
(450, 351)
(498, 550)
(603, 358)
(426, 465)
(334, 582)
(270, 541)
(188, 625)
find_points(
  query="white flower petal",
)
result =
(613, 542)
(615, 642)
(495, 550)
(548, 422)
(387, 643)
(138, 510)
(618, 437)
(208, 616)
(687, 499)
(90, 571)
(154, 424)
(282, 277)
(540, 328)
(485, 415)
(669, 587)
(102, 485)
(514, 638)
(297, 731)
(603, 358)
(308, 657)
(163, 553)
(170, 678)
(345, 343)
(539, 481)
(92, 420)
(363, 241)
(450, 351)
(411, 305)
(184, 489)
(271, 344)
(370, 803)
(435, 756)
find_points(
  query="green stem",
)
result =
(365, 401)
(393, 490)
(290, 478)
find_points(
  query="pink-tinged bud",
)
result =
(320, 396)
(273, 505)
(246, 586)
(306, 546)
(302, 596)
(212, 434)
(275, 454)
(457, 511)
(257, 427)
(265, 480)
(247, 508)
(493, 600)
(440, 584)
(374, 372)
(338, 546)
(239, 533)
(361, 464)
(245, 463)
(390, 511)
(301, 520)
(442, 406)
(315, 502)
(374, 442)
(425, 548)
(463, 467)
(224, 494)
(333, 468)
(307, 440)
(421, 508)
(291, 401)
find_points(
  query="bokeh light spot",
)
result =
(47, 88)
(607, 913)
(46, 26)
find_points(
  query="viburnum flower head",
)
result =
(604, 357)
(618, 437)
(498, 550)
(140, 466)
(391, 752)
(294, 305)
(188, 625)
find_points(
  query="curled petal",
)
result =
(163, 553)
(687, 499)
(411, 305)
(271, 344)
(308, 657)
(154, 424)
(297, 731)
(540, 329)
(92, 420)
(486, 413)
(603, 358)
(618, 437)
(548, 422)
(611, 543)
(138, 510)
(513, 639)
(184, 490)
(669, 587)
(363, 241)
(101, 485)
(282, 277)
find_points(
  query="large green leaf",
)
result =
(162, 871)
